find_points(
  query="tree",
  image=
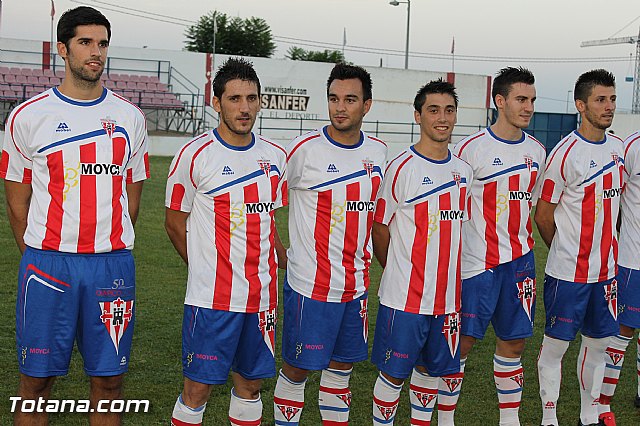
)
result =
(235, 36)
(299, 54)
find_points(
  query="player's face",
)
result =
(437, 117)
(517, 107)
(238, 107)
(599, 108)
(347, 106)
(86, 53)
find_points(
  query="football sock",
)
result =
(509, 378)
(448, 393)
(638, 363)
(549, 373)
(186, 416)
(423, 394)
(614, 358)
(334, 398)
(590, 368)
(288, 400)
(385, 401)
(244, 412)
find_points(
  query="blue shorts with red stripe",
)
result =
(317, 332)
(215, 342)
(591, 308)
(64, 297)
(505, 296)
(628, 297)
(404, 339)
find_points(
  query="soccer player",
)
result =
(222, 192)
(498, 267)
(628, 279)
(74, 160)
(334, 174)
(417, 239)
(576, 216)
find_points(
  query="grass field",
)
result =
(155, 368)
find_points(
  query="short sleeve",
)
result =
(387, 202)
(16, 163)
(537, 187)
(138, 166)
(553, 182)
(182, 181)
(282, 192)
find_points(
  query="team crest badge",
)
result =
(616, 158)
(267, 324)
(368, 166)
(288, 411)
(345, 397)
(528, 161)
(611, 296)
(265, 166)
(527, 295)
(424, 398)
(518, 378)
(451, 331)
(364, 314)
(453, 381)
(616, 356)
(386, 412)
(456, 178)
(116, 317)
(109, 126)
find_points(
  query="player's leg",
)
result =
(565, 305)
(308, 338)
(105, 388)
(600, 324)
(397, 345)
(479, 298)
(253, 362)
(44, 332)
(334, 397)
(513, 322)
(209, 341)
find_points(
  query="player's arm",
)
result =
(545, 220)
(381, 237)
(134, 193)
(175, 223)
(281, 252)
(18, 197)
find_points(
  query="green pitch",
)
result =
(155, 369)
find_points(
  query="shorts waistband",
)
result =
(116, 253)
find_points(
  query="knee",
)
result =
(34, 387)
(107, 386)
(510, 348)
(294, 374)
(466, 344)
(195, 394)
(248, 389)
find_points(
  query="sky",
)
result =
(489, 34)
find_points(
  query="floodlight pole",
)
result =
(406, 49)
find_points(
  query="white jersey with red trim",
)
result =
(332, 189)
(424, 203)
(231, 194)
(78, 157)
(584, 178)
(630, 205)
(505, 186)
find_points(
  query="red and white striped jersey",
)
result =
(424, 202)
(231, 194)
(584, 178)
(332, 189)
(78, 157)
(505, 187)
(630, 205)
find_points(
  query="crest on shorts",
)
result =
(265, 166)
(116, 316)
(451, 331)
(424, 398)
(109, 126)
(615, 355)
(453, 381)
(386, 412)
(611, 296)
(528, 161)
(527, 294)
(368, 166)
(364, 314)
(267, 324)
(456, 177)
(518, 378)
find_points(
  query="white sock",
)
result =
(590, 368)
(448, 393)
(186, 416)
(423, 394)
(638, 363)
(385, 401)
(288, 400)
(244, 412)
(549, 373)
(509, 378)
(614, 358)
(334, 397)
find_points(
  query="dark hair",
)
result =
(587, 81)
(82, 15)
(507, 77)
(234, 69)
(346, 72)
(435, 86)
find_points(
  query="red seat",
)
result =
(26, 72)
(154, 79)
(121, 85)
(5, 70)
(152, 86)
(43, 80)
(60, 74)
(48, 73)
(32, 79)
(131, 85)
(134, 78)
(54, 81)
(144, 78)
(37, 73)
(110, 84)
(9, 78)
(22, 79)
(141, 86)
